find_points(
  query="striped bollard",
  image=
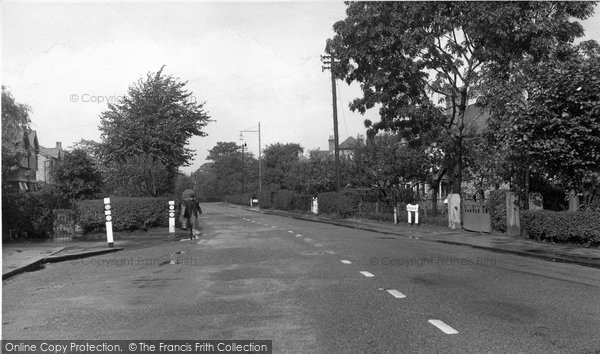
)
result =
(171, 216)
(109, 231)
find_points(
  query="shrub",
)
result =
(241, 199)
(496, 204)
(28, 215)
(265, 199)
(344, 204)
(127, 213)
(562, 226)
(282, 199)
(302, 202)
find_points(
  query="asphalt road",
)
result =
(299, 283)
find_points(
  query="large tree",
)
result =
(405, 53)
(547, 115)
(281, 164)
(15, 124)
(150, 128)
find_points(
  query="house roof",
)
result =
(350, 143)
(51, 152)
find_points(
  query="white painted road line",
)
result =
(443, 327)
(290, 231)
(396, 294)
(345, 261)
(274, 227)
(298, 235)
(367, 274)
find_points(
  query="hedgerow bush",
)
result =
(282, 199)
(302, 202)
(28, 215)
(265, 199)
(581, 227)
(127, 213)
(241, 199)
(496, 204)
(344, 204)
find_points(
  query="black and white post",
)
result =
(109, 231)
(171, 216)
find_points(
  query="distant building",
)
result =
(47, 159)
(24, 178)
(348, 146)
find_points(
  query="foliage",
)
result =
(28, 215)
(149, 129)
(265, 199)
(281, 164)
(558, 125)
(282, 199)
(76, 176)
(343, 204)
(240, 199)
(15, 123)
(496, 205)
(581, 227)
(391, 48)
(302, 202)
(224, 175)
(128, 214)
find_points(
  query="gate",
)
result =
(476, 217)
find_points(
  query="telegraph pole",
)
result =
(243, 165)
(330, 60)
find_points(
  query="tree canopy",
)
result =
(150, 128)
(15, 123)
(406, 53)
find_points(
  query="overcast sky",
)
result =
(250, 63)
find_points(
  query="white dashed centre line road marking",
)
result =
(298, 235)
(443, 327)
(290, 231)
(345, 261)
(367, 274)
(396, 294)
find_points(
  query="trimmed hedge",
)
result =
(282, 199)
(265, 199)
(241, 199)
(28, 215)
(302, 202)
(344, 204)
(496, 204)
(562, 226)
(127, 213)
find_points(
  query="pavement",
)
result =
(567, 253)
(19, 257)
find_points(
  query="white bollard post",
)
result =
(395, 215)
(171, 216)
(109, 231)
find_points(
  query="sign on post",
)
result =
(107, 214)
(413, 208)
(171, 216)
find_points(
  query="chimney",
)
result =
(58, 145)
(331, 143)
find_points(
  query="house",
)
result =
(47, 159)
(346, 147)
(24, 178)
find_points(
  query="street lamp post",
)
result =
(259, 153)
(243, 168)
